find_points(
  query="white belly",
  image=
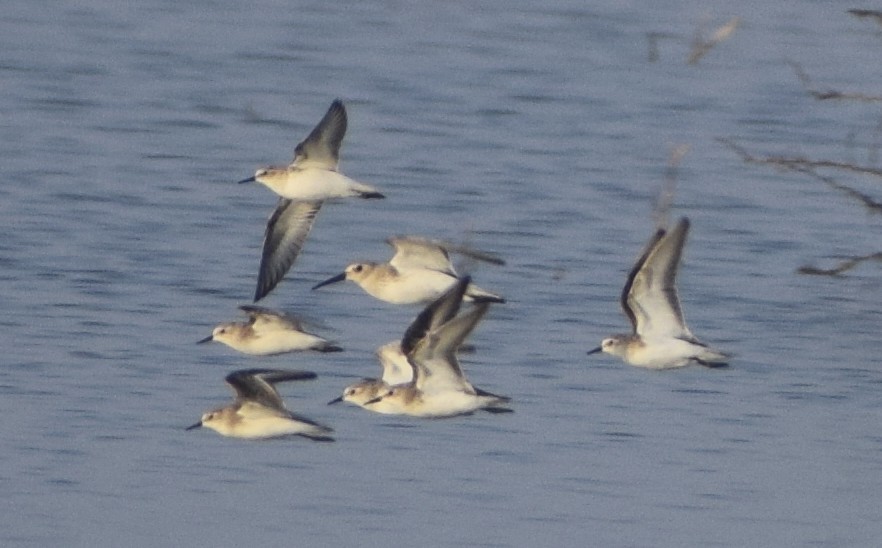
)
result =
(317, 184)
(662, 353)
(276, 342)
(412, 287)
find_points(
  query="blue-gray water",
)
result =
(538, 130)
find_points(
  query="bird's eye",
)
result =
(358, 268)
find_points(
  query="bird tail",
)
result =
(366, 191)
(497, 404)
(478, 295)
(713, 358)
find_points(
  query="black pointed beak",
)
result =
(338, 278)
(595, 350)
(248, 180)
(194, 426)
(375, 400)
(335, 400)
(205, 340)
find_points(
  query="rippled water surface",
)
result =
(538, 130)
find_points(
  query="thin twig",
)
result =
(797, 162)
(843, 266)
(865, 199)
(872, 205)
(829, 94)
(867, 14)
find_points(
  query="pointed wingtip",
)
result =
(330, 348)
(269, 375)
(294, 375)
(497, 410)
(319, 438)
(488, 299)
(254, 310)
(261, 291)
(712, 365)
(337, 110)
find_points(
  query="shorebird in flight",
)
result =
(258, 411)
(439, 387)
(268, 332)
(659, 338)
(418, 273)
(303, 187)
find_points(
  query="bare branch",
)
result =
(829, 94)
(843, 266)
(798, 163)
(872, 205)
(867, 14)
